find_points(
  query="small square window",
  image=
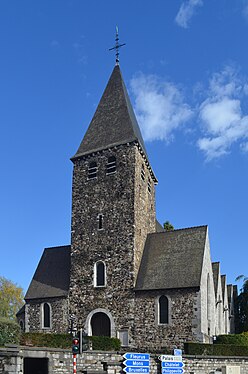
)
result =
(123, 336)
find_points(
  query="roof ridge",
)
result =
(181, 229)
(58, 246)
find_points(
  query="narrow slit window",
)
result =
(100, 222)
(149, 185)
(92, 170)
(163, 310)
(46, 315)
(100, 274)
(111, 165)
(142, 172)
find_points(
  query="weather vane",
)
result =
(117, 47)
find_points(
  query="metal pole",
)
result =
(74, 364)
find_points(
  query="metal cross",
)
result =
(117, 47)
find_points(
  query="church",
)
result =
(123, 275)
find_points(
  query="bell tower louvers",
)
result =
(113, 210)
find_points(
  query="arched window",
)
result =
(46, 316)
(111, 165)
(163, 304)
(100, 274)
(92, 170)
(21, 324)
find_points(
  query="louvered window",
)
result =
(92, 170)
(142, 173)
(111, 165)
(149, 185)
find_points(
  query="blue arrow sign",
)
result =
(136, 363)
(136, 356)
(172, 371)
(136, 370)
(172, 364)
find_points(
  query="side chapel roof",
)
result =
(216, 274)
(114, 122)
(172, 259)
(51, 278)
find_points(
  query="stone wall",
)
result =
(182, 315)
(60, 361)
(59, 315)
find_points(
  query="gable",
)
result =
(51, 278)
(172, 259)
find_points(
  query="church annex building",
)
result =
(123, 275)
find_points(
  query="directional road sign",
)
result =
(136, 362)
(172, 364)
(170, 358)
(172, 371)
(136, 356)
(136, 370)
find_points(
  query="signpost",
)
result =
(171, 364)
(137, 363)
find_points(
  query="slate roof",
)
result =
(216, 272)
(223, 285)
(114, 121)
(172, 259)
(159, 227)
(51, 278)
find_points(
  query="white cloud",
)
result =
(159, 107)
(245, 10)
(186, 12)
(221, 114)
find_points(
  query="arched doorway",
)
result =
(100, 324)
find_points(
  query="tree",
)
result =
(242, 305)
(168, 226)
(11, 298)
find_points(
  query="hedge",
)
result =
(215, 349)
(99, 343)
(236, 339)
(9, 332)
(38, 339)
(104, 343)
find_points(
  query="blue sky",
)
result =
(185, 67)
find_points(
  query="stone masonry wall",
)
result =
(59, 315)
(60, 361)
(182, 311)
(113, 196)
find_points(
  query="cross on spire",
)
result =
(117, 47)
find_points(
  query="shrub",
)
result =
(104, 343)
(236, 339)
(215, 349)
(9, 332)
(39, 339)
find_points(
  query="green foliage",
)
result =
(104, 343)
(215, 349)
(9, 332)
(168, 226)
(11, 298)
(242, 306)
(236, 339)
(38, 339)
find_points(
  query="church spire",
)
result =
(114, 122)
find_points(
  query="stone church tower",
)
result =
(113, 210)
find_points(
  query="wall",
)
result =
(60, 361)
